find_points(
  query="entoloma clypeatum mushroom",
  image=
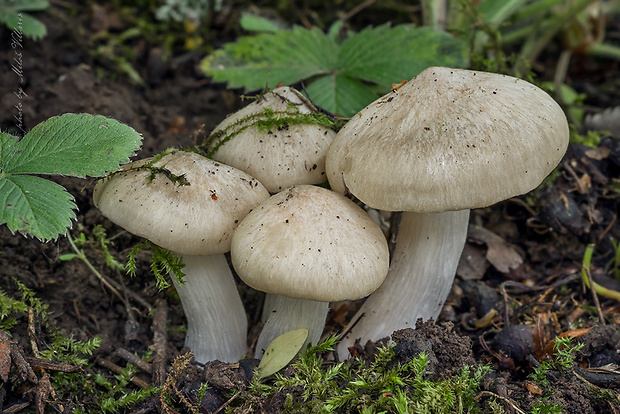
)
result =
(447, 141)
(190, 205)
(281, 139)
(309, 246)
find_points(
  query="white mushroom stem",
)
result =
(268, 305)
(424, 262)
(216, 320)
(288, 314)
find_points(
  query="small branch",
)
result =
(109, 283)
(118, 370)
(160, 341)
(134, 359)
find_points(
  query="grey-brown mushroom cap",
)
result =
(310, 243)
(449, 139)
(277, 157)
(194, 216)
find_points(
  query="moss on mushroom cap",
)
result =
(194, 215)
(310, 243)
(460, 139)
(278, 139)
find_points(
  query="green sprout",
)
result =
(585, 274)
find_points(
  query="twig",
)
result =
(146, 408)
(608, 228)
(39, 363)
(118, 370)
(578, 183)
(80, 254)
(505, 399)
(134, 359)
(160, 341)
(231, 399)
(43, 388)
(357, 9)
(24, 370)
(109, 283)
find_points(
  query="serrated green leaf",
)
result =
(264, 60)
(281, 351)
(381, 55)
(387, 55)
(340, 94)
(71, 144)
(34, 205)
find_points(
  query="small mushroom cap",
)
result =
(310, 243)
(450, 139)
(277, 157)
(195, 216)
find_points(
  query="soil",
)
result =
(518, 285)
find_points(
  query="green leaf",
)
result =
(25, 5)
(340, 94)
(255, 23)
(11, 14)
(34, 205)
(281, 351)
(70, 144)
(387, 55)
(256, 62)
(27, 24)
(342, 70)
(68, 257)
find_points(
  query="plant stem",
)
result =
(538, 41)
(585, 270)
(82, 256)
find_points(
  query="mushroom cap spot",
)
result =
(310, 243)
(449, 139)
(194, 219)
(277, 158)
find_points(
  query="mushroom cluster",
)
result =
(447, 141)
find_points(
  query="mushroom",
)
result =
(309, 246)
(447, 141)
(279, 139)
(190, 205)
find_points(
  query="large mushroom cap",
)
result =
(450, 139)
(310, 243)
(279, 156)
(193, 215)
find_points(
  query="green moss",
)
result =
(265, 121)
(382, 385)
